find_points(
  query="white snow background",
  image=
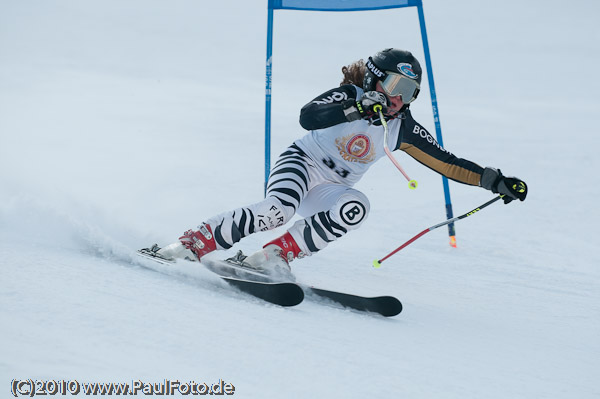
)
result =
(124, 123)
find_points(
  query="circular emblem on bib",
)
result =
(356, 147)
(352, 213)
(359, 146)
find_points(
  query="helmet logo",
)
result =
(406, 70)
(374, 70)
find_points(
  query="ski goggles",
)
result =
(395, 84)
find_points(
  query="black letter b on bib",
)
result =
(352, 213)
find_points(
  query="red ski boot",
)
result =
(200, 242)
(275, 257)
(289, 249)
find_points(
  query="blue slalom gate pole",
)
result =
(436, 119)
(268, 95)
(353, 5)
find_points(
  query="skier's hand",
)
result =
(363, 108)
(368, 101)
(511, 188)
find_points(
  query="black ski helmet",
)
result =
(391, 60)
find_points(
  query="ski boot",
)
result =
(275, 257)
(200, 242)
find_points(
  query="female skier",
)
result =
(315, 175)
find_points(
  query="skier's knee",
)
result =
(271, 214)
(351, 210)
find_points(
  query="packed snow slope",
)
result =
(123, 124)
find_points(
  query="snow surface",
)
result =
(123, 123)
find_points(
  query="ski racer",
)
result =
(315, 176)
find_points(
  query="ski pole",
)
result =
(377, 263)
(412, 184)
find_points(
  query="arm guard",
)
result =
(328, 109)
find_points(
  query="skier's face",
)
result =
(395, 102)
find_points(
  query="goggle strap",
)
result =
(375, 70)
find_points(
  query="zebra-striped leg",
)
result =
(287, 186)
(230, 227)
(314, 233)
(289, 180)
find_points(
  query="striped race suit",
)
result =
(315, 176)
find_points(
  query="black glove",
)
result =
(511, 188)
(363, 108)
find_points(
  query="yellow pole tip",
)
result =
(376, 264)
(453, 241)
(412, 184)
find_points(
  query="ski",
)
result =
(235, 266)
(152, 254)
(281, 290)
(252, 283)
(232, 268)
(282, 294)
(387, 306)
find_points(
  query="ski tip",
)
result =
(282, 293)
(393, 308)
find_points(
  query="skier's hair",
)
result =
(354, 73)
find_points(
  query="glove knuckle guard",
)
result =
(511, 187)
